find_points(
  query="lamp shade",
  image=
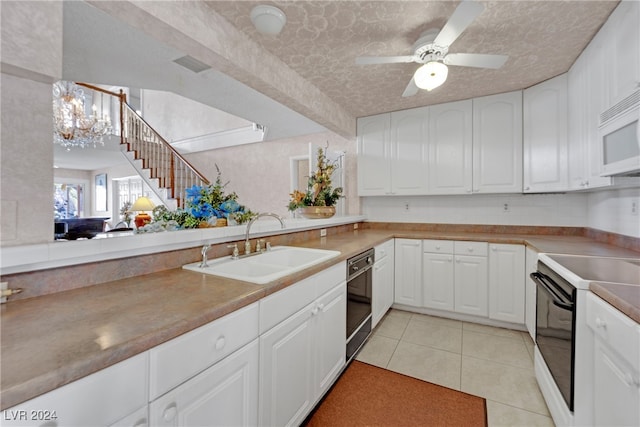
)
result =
(431, 75)
(142, 204)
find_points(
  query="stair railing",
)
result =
(163, 162)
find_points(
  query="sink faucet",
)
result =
(204, 251)
(247, 244)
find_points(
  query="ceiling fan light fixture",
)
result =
(431, 75)
(268, 20)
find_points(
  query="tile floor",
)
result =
(493, 363)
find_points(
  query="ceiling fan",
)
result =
(432, 50)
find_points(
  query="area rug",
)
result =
(366, 395)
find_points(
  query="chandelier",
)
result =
(72, 126)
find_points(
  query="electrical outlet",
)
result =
(323, 232)
(634, 208)
(506, 207)
(406, 206)
(355, 226)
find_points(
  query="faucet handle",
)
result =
(235, 253)
(259, 244)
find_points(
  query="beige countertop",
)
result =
(55, 339)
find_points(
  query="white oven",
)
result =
(619, 133)
(564, 344)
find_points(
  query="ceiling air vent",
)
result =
(192, 64)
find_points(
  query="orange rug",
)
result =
(366, 395)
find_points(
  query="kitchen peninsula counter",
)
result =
(52, 340)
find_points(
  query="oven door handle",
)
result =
(550, 287)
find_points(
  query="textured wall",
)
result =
(31, 61)
(260, 172)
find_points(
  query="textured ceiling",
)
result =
(322, 39)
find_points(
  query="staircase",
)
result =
(164, 170)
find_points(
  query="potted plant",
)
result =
(319, 200)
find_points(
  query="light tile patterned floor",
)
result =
(493, 363)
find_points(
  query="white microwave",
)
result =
(620, 143)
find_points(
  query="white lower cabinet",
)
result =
(530, 292)
(107, 397)
(616, 365)
(383, 281)
(465, 277)
(471, 285)
(225, 394)
(506, 283)
(302, 355)
(408, 272)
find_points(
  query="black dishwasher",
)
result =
(359, 290)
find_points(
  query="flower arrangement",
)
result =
(204, 205)
(319, 191)
(125, 213)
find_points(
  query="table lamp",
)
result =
(141, 205)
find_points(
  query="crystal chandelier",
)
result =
(72, 127)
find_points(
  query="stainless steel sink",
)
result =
(265, 267)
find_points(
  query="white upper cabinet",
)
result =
(450, 148)
(374, 154)
(545, 136)
(409, 151)
(622, 39)
(497, 143)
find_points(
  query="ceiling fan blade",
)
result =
(411, 89)
(366, 60)
(464, 15)
(480, 60)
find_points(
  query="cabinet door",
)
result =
(139, 418)
(330, 337)
(286, 370)
(623, 46)
(471, 287)
(378, 300)
(450, 136)
(578, 110)
(545, 136)
(497, 143)
(409, 151)
(596, 82)
(617, 389)
(530, 297)
(374, 154)
(408, 272)
(438, 281)
(225, 394)
(506, 283)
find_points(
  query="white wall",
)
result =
(537, 209)
(612, 211)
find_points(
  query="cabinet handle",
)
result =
(437, 248)
(494, 249)
(470, 249)
(220, 342)
(527, 188)
(600, 323)
(314, 311)
(321, 307)
(458, 260)
(170, 412)
(450, 259)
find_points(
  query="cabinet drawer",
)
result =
(471, 248)
(437, 246)
(177, 360)
(100, 399)
(618, 331)
(382, 250)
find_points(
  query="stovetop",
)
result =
(599, 269)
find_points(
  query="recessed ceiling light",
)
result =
(268, 19)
